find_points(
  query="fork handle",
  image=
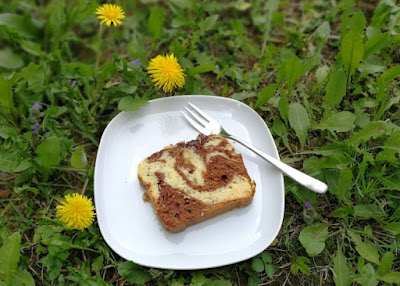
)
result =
(300, 177)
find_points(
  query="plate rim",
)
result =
(209, 265)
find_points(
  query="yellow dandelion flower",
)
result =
(166, 72)
(76, 211)
(110, 14)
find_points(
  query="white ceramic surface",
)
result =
(130, 226)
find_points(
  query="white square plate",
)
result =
(130, 226)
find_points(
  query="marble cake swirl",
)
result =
(194, 181)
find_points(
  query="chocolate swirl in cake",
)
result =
(191, 179)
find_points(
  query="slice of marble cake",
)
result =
(194, 181)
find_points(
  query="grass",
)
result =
(322, 74)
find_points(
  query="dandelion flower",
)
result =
(166, 72)
(110, 14)
(76, 211)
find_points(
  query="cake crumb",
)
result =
(145, 197)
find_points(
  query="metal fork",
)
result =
(208, 125)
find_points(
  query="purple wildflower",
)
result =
(73, 83)
(36, 106)
(137, 62)
(307, 205)
(35, 128)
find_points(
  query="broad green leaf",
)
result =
(77, 70)
(280, 130)
(43, 232)
(208, 23)
(299, 121)
(358, 22)
(291, 71)
(134, 273)
(56, 23)
(283, 106)
(341, 270)
(63, 242)
(381, 13)
(254, 280)
(6, 95)
(128, 103)
(390, 182)
(257, 265)
(49, 152)
(386, 263)
(375, 44)
(269, 270)
(266, 94)
(301, 264)
(83, 277)
(7, 132)
(321, 73)
(177, 49)
(365, 248)
(278, 127)
(156, 21)
(372, 65)
(335, 89)
(10, 60)
(344, 185)
(9, 256)
(35, 75)
(351, 50)
(7, 161)
(339, 122)
(323, 31)
(201, 69)
(97, 264)
(331, 161)
(54, 261)
(338, 148)
(373, 130)
(22, 277)
(55, 111)
(32, 48)
(368, 276)
(198, 278)
(342, 212)
(391, 277)
(391, 147)
(78, 158)
(22, 25)
(313, 238)
(391, 74)
(368, 211)
(393, 227)
(304, 268)
(266, 257)
(106, 71)
(128, 89)
(243, 95)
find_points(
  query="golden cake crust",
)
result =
(194, 181)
